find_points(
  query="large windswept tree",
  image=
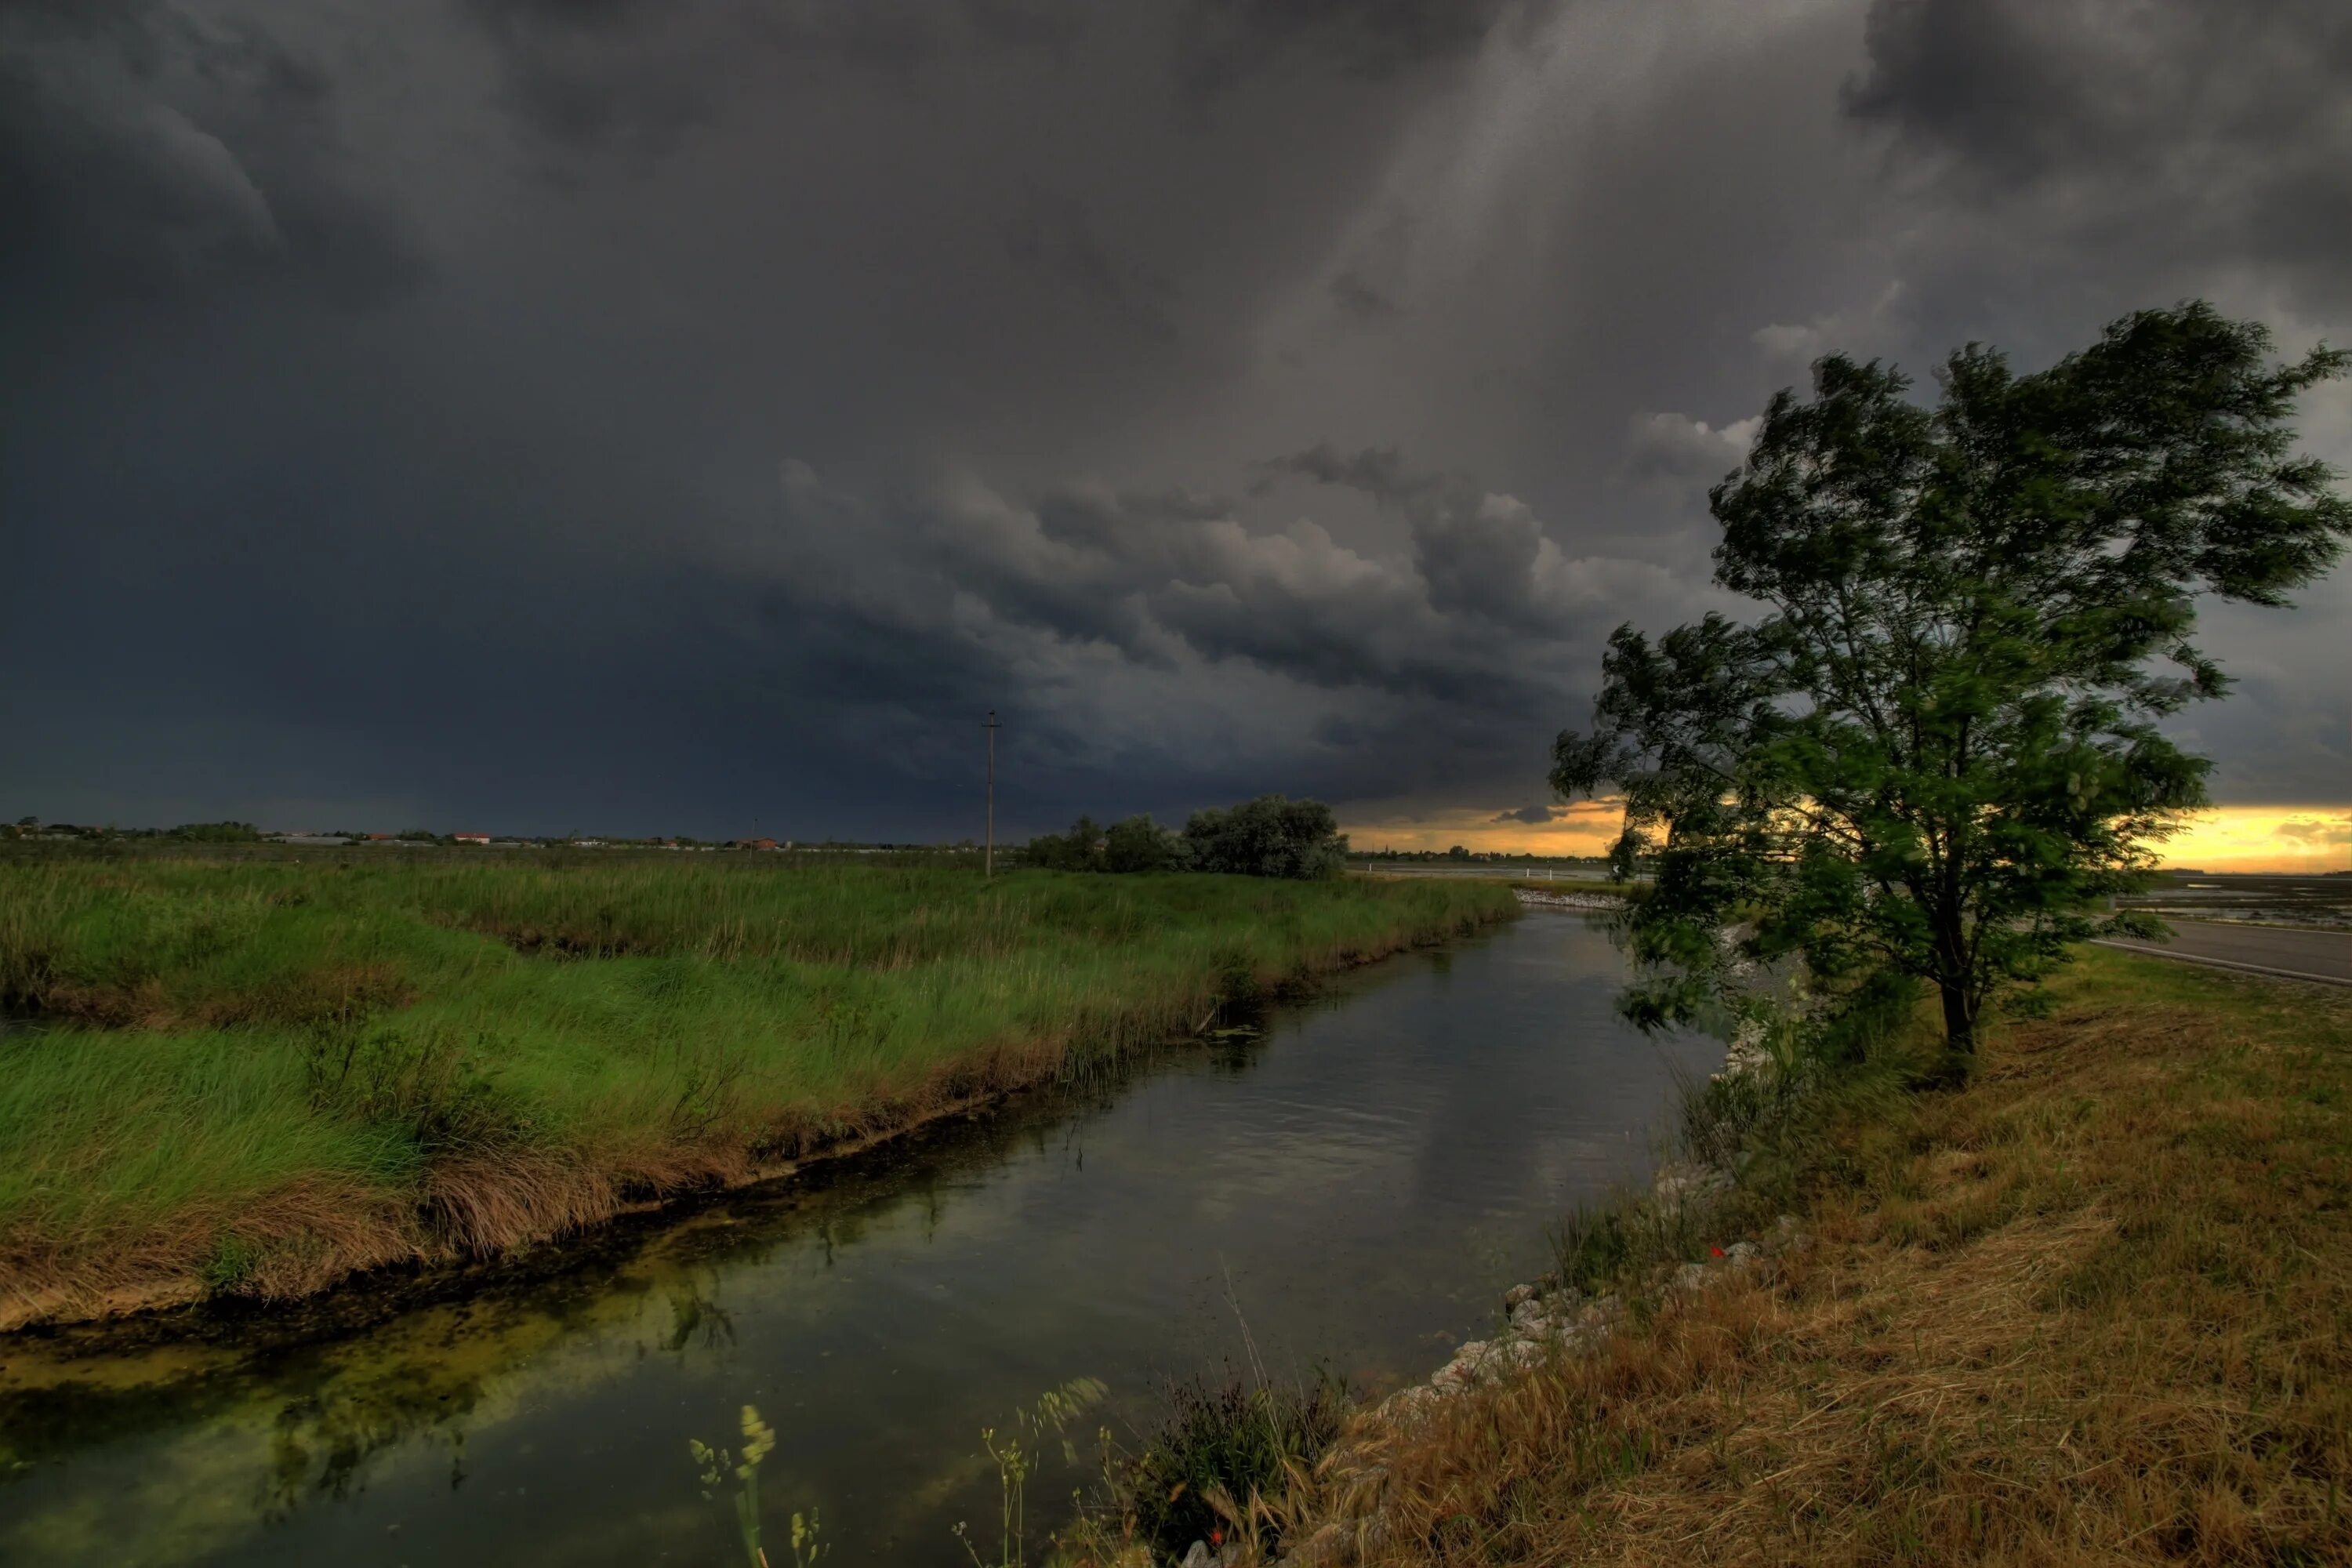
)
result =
(1935, 753)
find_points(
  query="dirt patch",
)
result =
(545, 941)
(306, 999)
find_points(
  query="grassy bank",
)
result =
(256, 1076)
(2096, 1307)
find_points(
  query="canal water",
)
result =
(1348, 1188)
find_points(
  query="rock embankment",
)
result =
(1542, 1319)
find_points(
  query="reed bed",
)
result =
(256, 1076)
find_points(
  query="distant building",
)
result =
(756, 843)
(471, 837)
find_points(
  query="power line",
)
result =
(988, 861)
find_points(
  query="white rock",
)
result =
(1412, 1403)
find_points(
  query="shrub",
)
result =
(1223, 1446)
(1139, 843)
(1080, 850)
(1268, 836)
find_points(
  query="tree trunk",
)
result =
(1952, 977)
(1959, 1018)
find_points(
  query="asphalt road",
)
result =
(2323, 955)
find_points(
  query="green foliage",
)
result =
(1080, 849)
(1139, 843)
(233, 1259)
(1938, 749)
(1268, 836)
(423, 1084)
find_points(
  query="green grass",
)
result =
(264, 1072)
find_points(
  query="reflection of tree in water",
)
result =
(695, 1315)
(319, 1441)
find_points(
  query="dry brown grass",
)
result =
(2095, 1308)
(302, 1000)
(296, 1239)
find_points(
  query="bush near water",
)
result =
(1271, 835)
(258, 1075)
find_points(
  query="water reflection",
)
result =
(1357, 1185)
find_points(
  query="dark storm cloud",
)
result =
(641, 72)
(404, 390)
(1227, 41)
(1055, 235)
(1358, 300)
(2175, 129)
(1531, 815)
(146, 151)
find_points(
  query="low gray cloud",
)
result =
(1531, 815)
(1482, 610)
(1683, 451)
(1485, 556)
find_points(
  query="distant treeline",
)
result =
(246, 832)
(186, 833)
(1269, 837)
(1483, 856)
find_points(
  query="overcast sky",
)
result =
(694, 415)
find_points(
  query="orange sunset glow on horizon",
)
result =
(2309, 839)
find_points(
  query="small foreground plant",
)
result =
(1016, 1452)
(758, 1442)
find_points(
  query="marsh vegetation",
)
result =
(261, 1074)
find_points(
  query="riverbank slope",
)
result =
(256, 1077)
(2095, 1307)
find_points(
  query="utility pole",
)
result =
(988, 864)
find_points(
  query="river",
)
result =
(1350, 1185)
